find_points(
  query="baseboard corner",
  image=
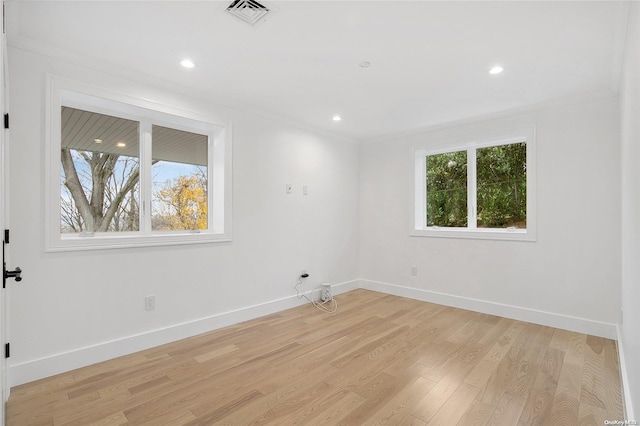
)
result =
(624, 378)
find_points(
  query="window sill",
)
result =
(477, 234)
(101, 242)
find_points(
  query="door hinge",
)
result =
(6, 236)
(6, 121)
(7, 350)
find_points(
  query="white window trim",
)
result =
(71, 93)
(499, 137)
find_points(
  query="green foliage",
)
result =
(447, 189)
(501, 187)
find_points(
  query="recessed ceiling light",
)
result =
(121, 144)
(365, 64)
(337, 117)
(187, 63)
(97, 140)
(496, 70)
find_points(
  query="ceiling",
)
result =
(429, 60)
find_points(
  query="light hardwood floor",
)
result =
(380, 360)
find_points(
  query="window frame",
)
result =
(147, 113)
(471, 144)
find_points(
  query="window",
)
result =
(179, 180)
(501, 182)
(483, 189)
(100, 170)
(446, 180)
(125, 172)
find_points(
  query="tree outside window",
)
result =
(497, 173)
(100, 176)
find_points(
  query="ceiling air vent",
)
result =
(248, 10)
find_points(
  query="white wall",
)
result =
(568, 278)
(80, 307)
(629, 344)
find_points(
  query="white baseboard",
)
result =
(580, 325)
(628, 402)
(59, 363)
(48, 366)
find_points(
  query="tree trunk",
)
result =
(72, 182)
(102, 167)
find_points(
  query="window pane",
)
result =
(447, 189)
(100, 171)
(180, 185)
(502, 186)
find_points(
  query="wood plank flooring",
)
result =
(381, 359)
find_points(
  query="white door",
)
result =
(3, 210)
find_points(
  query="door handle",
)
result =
(16, 274)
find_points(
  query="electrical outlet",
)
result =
(325, 294)
(288, 187)
(150, 303)
(414, 271)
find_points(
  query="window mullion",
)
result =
(211, 181)
(420, 182)
(471, 189)
(145, 176)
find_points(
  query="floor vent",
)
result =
(248, 10)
